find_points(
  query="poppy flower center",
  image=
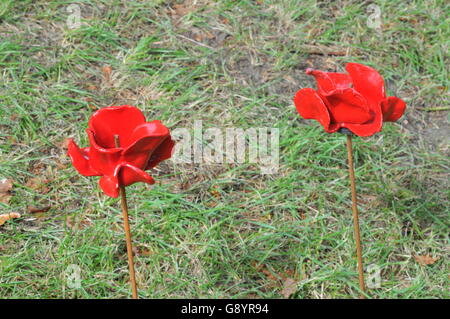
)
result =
(115, 120)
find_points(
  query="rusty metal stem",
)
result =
(126, 226)
(355, 216)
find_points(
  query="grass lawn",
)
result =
(223, 230)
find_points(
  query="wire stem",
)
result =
(126, 226)
(355, 216)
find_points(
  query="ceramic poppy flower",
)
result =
(356, 101)
(142, 146)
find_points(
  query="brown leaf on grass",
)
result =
(214, 192)
(289, 287)
(5, 217)
(185, 185)
(425, 259)
(202, 36)
(5, 185)
(78, 223)
(90, 101)
(38, 184)
(179, 10)
(142, 251)
(268, 274)
(5, 190)
(70, 222)
(263, 269)
(106, 71)
(34, 209)
(5, 197)
(183, 8)
(211, 204)
(282, 279)
(11, 140)
(367, 200)
(302, 214)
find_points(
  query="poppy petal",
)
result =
(163, 152)
(347, 106)
(392, 108)
(103, 160)
(310, 105)
(130, 174)
(115, 120)
(125, 174)
(327, 82)
(368, 82)
(146, 139)
(80, 159)
(365, 129)
(109, 185)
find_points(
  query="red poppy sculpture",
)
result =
(123, 145)
(350, 103)
(142, 146)
(356, 101)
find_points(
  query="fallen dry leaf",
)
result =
(289, 287)
(283, 279)
(77, 223)
(302, 215)
(183, 9)
(38, 184)
(107, 71)
(211, 204)
(142, 251)
(5, 217)
(34, 210)
(202, 36)
(11, 139)
(425, 260)
(5, 185)
(5, 197)
(5, 190)
(214, 192)
(268, 274)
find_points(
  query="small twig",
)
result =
(355, 215)
(126, 226)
